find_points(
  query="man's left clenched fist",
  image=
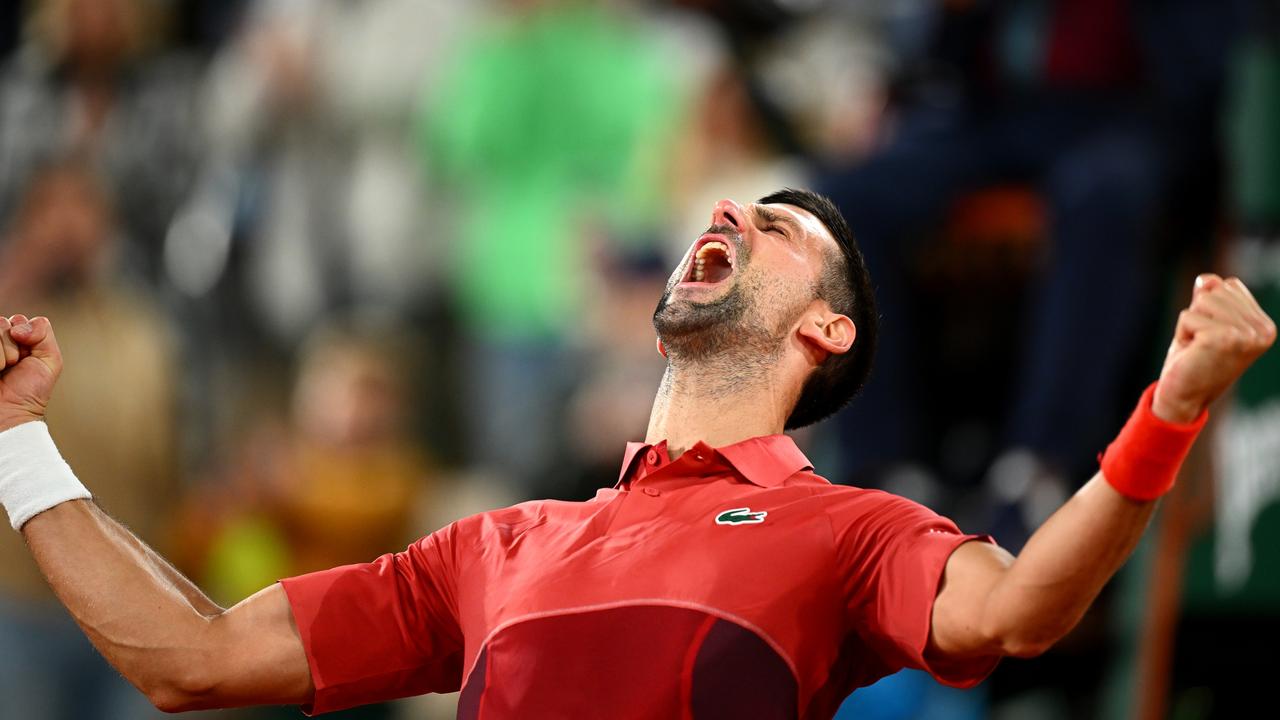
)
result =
(32, 363)
(1217, 338)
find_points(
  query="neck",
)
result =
(701, 401)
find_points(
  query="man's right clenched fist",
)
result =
(32, 362)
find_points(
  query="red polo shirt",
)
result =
(731, 582)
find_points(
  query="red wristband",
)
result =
(1144, 459)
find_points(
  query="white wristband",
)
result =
(33, 475)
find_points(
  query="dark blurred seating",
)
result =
(1070, 100)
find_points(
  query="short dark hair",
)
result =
(846, 286)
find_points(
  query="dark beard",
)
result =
(728, 329)
(697, 331)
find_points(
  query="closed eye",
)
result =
(776, 229)
(772, 222)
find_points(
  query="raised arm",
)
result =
(991, 603)
(155, 626)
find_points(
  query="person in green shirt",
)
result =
(548, 130)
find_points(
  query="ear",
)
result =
(661, 350)
(832, 332)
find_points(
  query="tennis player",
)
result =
(719, 577)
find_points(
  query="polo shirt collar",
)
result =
(633, 449)
(766, 460)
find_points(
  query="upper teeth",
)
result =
(700, 260)
(712, 245)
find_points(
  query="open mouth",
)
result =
(712, 261)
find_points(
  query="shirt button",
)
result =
(652, 492)
(651, 457)
(699, 457)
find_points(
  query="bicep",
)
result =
(258, 656)
(959, 627)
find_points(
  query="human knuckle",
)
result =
(1220, 341)
(1239, 341)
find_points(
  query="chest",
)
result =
(764, 560)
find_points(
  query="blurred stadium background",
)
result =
(332, 273)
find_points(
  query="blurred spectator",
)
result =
(550, 128)
(89, 80)
(828, 74)
(308, 114)
(309, 199)
(1068, 98)
(113, 418)
(342, 481)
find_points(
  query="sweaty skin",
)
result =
(184, 652)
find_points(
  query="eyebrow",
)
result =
(771, 217)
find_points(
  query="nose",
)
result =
(728, 212)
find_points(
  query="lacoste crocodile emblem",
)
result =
(741, 516)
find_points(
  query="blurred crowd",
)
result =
(330, 273)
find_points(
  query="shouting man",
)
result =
(719, 577)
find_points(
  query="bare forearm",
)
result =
(193, 594)
(152, 624)
(991, 603)
(1064, 566)
(140, 613)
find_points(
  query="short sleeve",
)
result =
(892, 552)
(381, 630)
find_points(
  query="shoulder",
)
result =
(842, 501)
(847, 500)
(510, 521)
(861, 516)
